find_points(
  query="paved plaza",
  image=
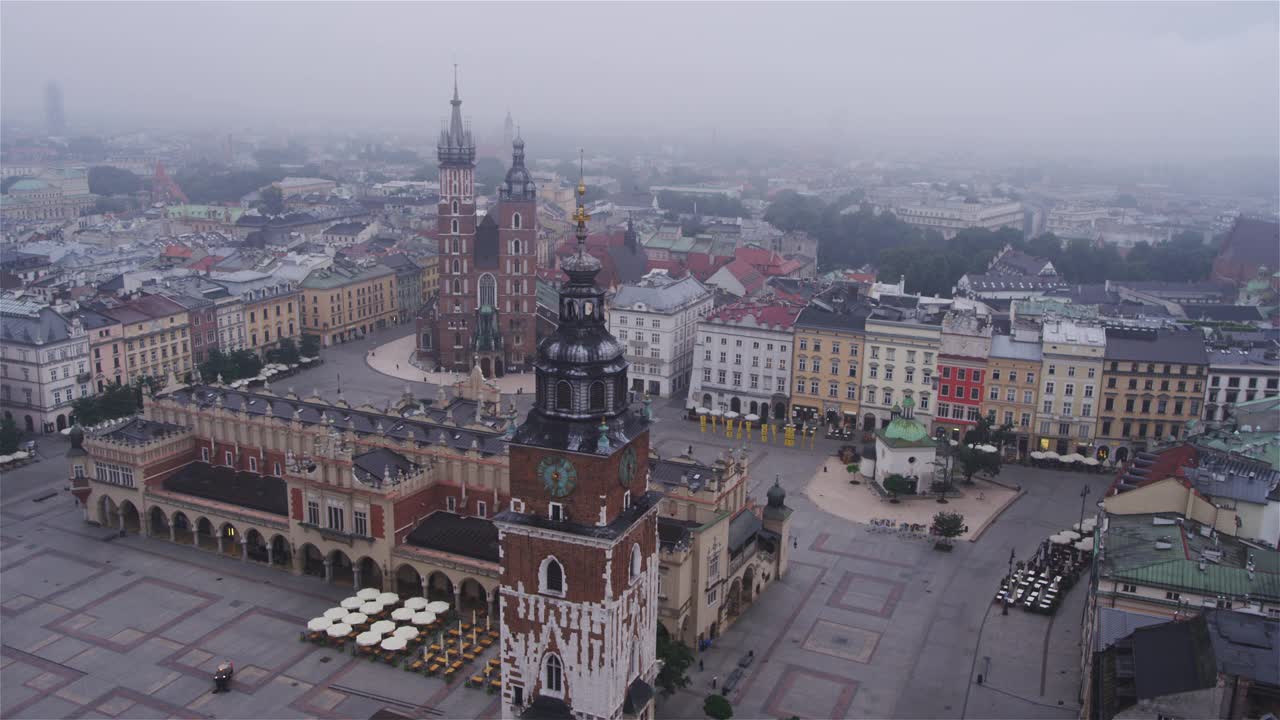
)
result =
(864, 625)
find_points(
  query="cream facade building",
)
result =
(900, 360)
(1070, 379)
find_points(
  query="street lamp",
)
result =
(1084, 495)
(1008, 585)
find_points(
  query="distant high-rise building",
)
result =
(54, 118)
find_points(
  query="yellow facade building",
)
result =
(348, 300)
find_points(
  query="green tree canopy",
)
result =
(676, 658)
(115, 401)
(9, 436)
(109, 180)
(948, 525)
(271, 200)
(717, 706)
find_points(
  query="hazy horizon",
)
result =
(1175, 80)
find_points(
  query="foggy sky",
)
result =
(1187, 79)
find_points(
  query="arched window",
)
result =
(636, 562)
(570, 311)
(597, 395)
(453, 226)
(552, 576)
(515, 221)
(564, 395)
(488, 288)
(554, 681)
(515, 244)
(457, 286)
(457, 266)
(454, 207)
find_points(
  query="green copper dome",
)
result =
(904, 428)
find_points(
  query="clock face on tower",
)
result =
(627, 467)
(558, 475)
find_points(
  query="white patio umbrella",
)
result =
(1090, 461)
(1051, 455)
(382, 627)
(5, 459)
(356, 619)
(1085, 545)
(1090, 524)
(393, 644)
(20, 455)
(338, 630)
(1059, 539)
(731, 415)
(388, 598)
(752, 417)
(717, 413)
(371, 608)
(1037, 455)
(438, 606)
(416, 603)
(335, 614)
(703, 411)
(423, 618)
(405, 632)
(351, 603)
(402, 614)
(1067, 459)
(369, 594)
(365, 639)
(1070, 534)
(319, 624)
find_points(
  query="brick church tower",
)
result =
(456, 231)
(486, 312)
(579, 544)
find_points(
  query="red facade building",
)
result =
(962, 370)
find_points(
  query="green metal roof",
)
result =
(29, 184)
(1131, 555)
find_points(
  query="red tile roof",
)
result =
(778, 316)
(175, 250)
(750, 278)
(206, 263)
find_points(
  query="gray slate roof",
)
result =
(664, 298)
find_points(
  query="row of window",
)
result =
(1162, 406)
(755, 380)
(1071, 370)
(755, 360)
(1234, 382)
(1167, 368)
(114, 474)
(1151, 385)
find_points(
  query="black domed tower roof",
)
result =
(581, 368)
(519, 185)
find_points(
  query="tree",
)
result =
(676, 659)
(285, 352)
(110, 180)
(9, 439)
(310, 345)
(948, 525)
(271, 200)
(115, 401)
(717, 706)
(972, 461)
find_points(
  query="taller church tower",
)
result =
(456, 232)
(579, 544)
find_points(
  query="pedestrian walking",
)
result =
(700, 666)
(715, 679)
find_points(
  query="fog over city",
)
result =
(1181, 81)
